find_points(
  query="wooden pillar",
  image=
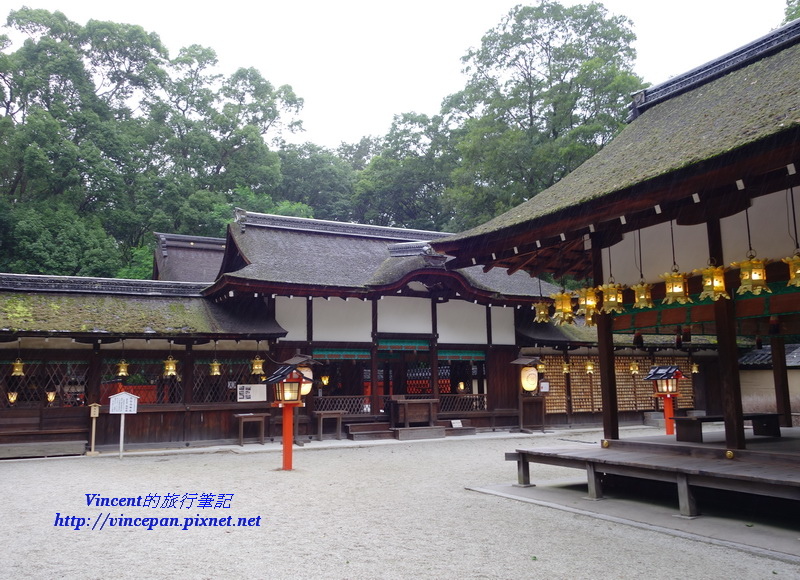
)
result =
(605, 346)
(434, 350)
(375, 401)
(94, 375)
(727, 351)
(781, 379)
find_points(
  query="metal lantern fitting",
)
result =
(215, 367)
(563, 309)
(634, 367)
(794, 268)
(17, 368)
(288, 391)
(122, 368)
(612, 297)
(752, 275)
(542, 312)
(12, 397)
(257, 366)
(642, 295)
(665, 379)
(713, 283)
(170, 367)
(587, 305)
(676, 287)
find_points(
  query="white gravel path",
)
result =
(397, 510)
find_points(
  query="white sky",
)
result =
(357, 63)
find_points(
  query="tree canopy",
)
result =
(105, 137)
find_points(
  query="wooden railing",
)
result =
(362, 405)
(462, 403)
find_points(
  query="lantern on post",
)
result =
(290, 385)
(665, 382)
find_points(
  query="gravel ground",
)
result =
(395, 510)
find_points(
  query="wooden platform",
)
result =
(772, 470)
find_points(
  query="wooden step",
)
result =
(371, 435)
(366, 427)
(42, 449)
(456, 431)
(411, 433)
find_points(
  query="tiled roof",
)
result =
(188, 258)
(762, 357)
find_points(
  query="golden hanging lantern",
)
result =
(713, 283)
(676, 287)
(12, 397)
(257, 366)
(215, 367)
(634, 367)
(589, 367)
(587, 305)
(612, 297)
(563, 309)
(325, 380)
(642, 295)
(540, 366)
(170, 367)
(16, 368)
(122, 368)
(752, 275)
(51, 397)
(794, 268)
(695, 368)
(565, 367)
(542, 312)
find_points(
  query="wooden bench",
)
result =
(691, 428)
(322, 415)
(260, 418)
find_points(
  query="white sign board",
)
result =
(123, 404)
(251, 393)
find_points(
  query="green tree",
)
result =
(403, 185)
(792, 11)
(547, 88)
(318, 178)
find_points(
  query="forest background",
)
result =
(105, 138)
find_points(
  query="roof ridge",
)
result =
(771, 42)
(245, 218)
(44, 283)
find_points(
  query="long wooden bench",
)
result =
(691, 428)
(777, 478)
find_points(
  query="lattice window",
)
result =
(633, 394)
(67, 379)
(222, 388)
(145, 380)
(585, 387)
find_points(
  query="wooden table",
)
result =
(691, 428)
(322, 415)
(407, 411)
(260, 418)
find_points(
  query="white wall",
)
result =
(409, 315)
(461, 322)
(340, 320)
(503, 331)
(290, 313)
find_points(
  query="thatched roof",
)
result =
(318, 257)
(188, 258)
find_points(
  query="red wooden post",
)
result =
(288, 436)
(669, 413)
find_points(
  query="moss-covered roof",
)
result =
(743, 107)
(120, 315)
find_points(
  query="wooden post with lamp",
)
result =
(665, 381)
